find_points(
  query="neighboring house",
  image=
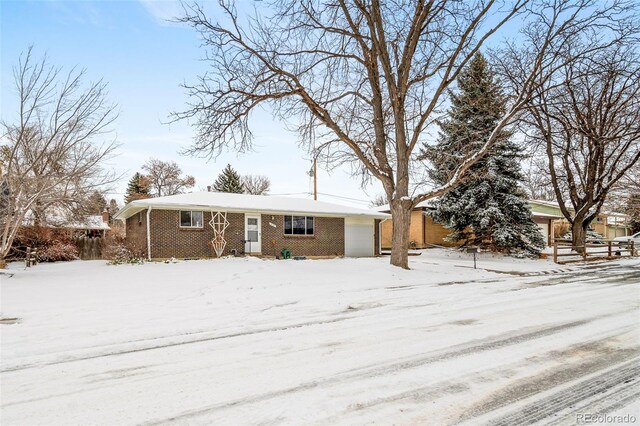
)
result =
(549, 217)
(423, 231)
(87, 232)
(181, 226)
(612, 225)
(546, 214)
(91, 225)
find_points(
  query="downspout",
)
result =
(380, 236)
(149, 233)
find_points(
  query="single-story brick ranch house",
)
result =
(182, 226)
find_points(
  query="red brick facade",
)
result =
(168, 239)
(136, 232)
(328, 238)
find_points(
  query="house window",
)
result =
(298, 225)
(190, 219)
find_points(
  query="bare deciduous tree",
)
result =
(379, 200)
(631, 179)
(165, 178)
(256, 184)
(590, 127)
(51, 153)
(537, 180)
(619, 197)
(363, 82)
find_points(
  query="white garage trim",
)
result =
(359, 235)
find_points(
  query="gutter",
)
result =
(149, 233)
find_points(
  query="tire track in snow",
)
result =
(171, 344)
(475, 346)
(626, 277)
(592, 357)
(601, 357)
(187, 338)
(620, 384)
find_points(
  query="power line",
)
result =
(292, 193)
(345, 198)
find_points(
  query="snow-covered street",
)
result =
(343, 341)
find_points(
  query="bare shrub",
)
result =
(58, 251)
(52, 245)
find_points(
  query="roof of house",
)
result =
(617, 219)
(244, 203)
(618, 214)
(429, 204)
(545, 203)
(546, 215)
(59, 220)
(426, 204)
(93, 222)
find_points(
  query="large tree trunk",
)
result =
(578, 234)
(401, 216)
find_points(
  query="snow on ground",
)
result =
(485, 260)
(350, 341)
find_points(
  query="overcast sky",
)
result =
(144, 59)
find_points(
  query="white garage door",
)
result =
(358, 237)
(544, 230)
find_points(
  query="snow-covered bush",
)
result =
(119, 253)
(58, 251)
(592, 237)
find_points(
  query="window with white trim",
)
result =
(298, 225)
(190, 219)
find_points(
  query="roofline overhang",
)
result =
(546, 215)
(133, 208)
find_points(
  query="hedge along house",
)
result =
(184, 226)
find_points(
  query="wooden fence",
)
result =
(564, 252)
(89, 248)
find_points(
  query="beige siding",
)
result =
(437, 233)
(422, 230)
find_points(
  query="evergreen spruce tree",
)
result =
(229, 181)
(488, 209)
(137, 189)
(96, 203)
(112, 209)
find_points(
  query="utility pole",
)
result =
(315, 180)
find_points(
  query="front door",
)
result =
(252, 234)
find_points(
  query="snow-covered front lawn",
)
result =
(245, 340)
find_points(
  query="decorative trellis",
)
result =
(219, 223)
